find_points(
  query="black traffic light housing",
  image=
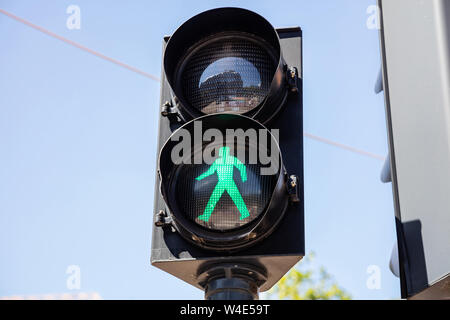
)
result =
(278, 248)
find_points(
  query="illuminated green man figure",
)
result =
(224, 166)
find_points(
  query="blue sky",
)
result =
(78, 145)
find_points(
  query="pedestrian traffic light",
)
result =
(229, 188)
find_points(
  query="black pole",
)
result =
(230, 281)
(231, 289)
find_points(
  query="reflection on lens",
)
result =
(229, 74)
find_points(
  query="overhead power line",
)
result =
(343, 146)
(79, 46)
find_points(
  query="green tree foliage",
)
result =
(303, 282)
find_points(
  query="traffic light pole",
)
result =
(232, 281)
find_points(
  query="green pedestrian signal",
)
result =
(224, 166)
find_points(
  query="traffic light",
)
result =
(229, 188)
(415, 81)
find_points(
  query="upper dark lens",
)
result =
(230, 74)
